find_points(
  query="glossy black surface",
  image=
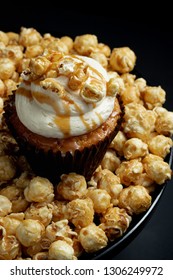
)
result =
(149, 32)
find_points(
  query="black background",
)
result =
(146, 29)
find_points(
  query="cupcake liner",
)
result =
(51, 164)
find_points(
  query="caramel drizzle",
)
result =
(24, 92)
(63, 122)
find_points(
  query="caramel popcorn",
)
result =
(11, 221)
(29, 36)
(115, 222)
(101, 199)
(157, 169)
(72, 186)
(84, 44)
(81, 211)
(7, 68)
(110, 160)
(129, 171)
(41, 212)
(164, 123)
(111, 183)
(139, 122)
(118, 143)
(43, 221)
(29, 232)
(61, 250)
(59, 230)
(6, 206)
(135, 148)
(10, 247)
(134, 199)
(130, 94)
(160, 145)
(153, 96)
(100, 57)
(39, 190)
(122, 59)
(92, 238)
(16, 196)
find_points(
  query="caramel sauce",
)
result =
(24, 92)
(100, 117)
(42, 98)
(88, 126)
(64, 124)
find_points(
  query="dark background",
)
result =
(146, 29)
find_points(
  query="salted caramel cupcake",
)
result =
(64, 114)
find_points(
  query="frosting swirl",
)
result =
(63, 95)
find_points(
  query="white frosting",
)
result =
(71, 115)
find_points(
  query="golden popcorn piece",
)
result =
(135, 199)
(92, 91)
(115, 222)
(110, 160)
(84, 44)
(160, 145)
(16, 196)
(59, 230)
(141, 84)
(68, 41)
(157, 169)
(40, 211)
(10, 247)
(5, 206)
(145, 181)
(13, 38)
(11, 221)
(30, 232)
(81, 212)
(92, 238)
(59, 210)
(164, 123)
(72, 186)
(58, 45)
(129, 79)
(4, 38)
(135, 148)
(111, 183)
(39, 65)
(39, 190)
(122, 59)
(154, 96)
(52, 84)
(7, 68)
(29, 36)
(118, 143)
(129, 171)
(130, 94)
(61, 250)
(101, 199)
(138, 121)
(33, 51)
(100, 57)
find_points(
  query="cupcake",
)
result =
(64, 114)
